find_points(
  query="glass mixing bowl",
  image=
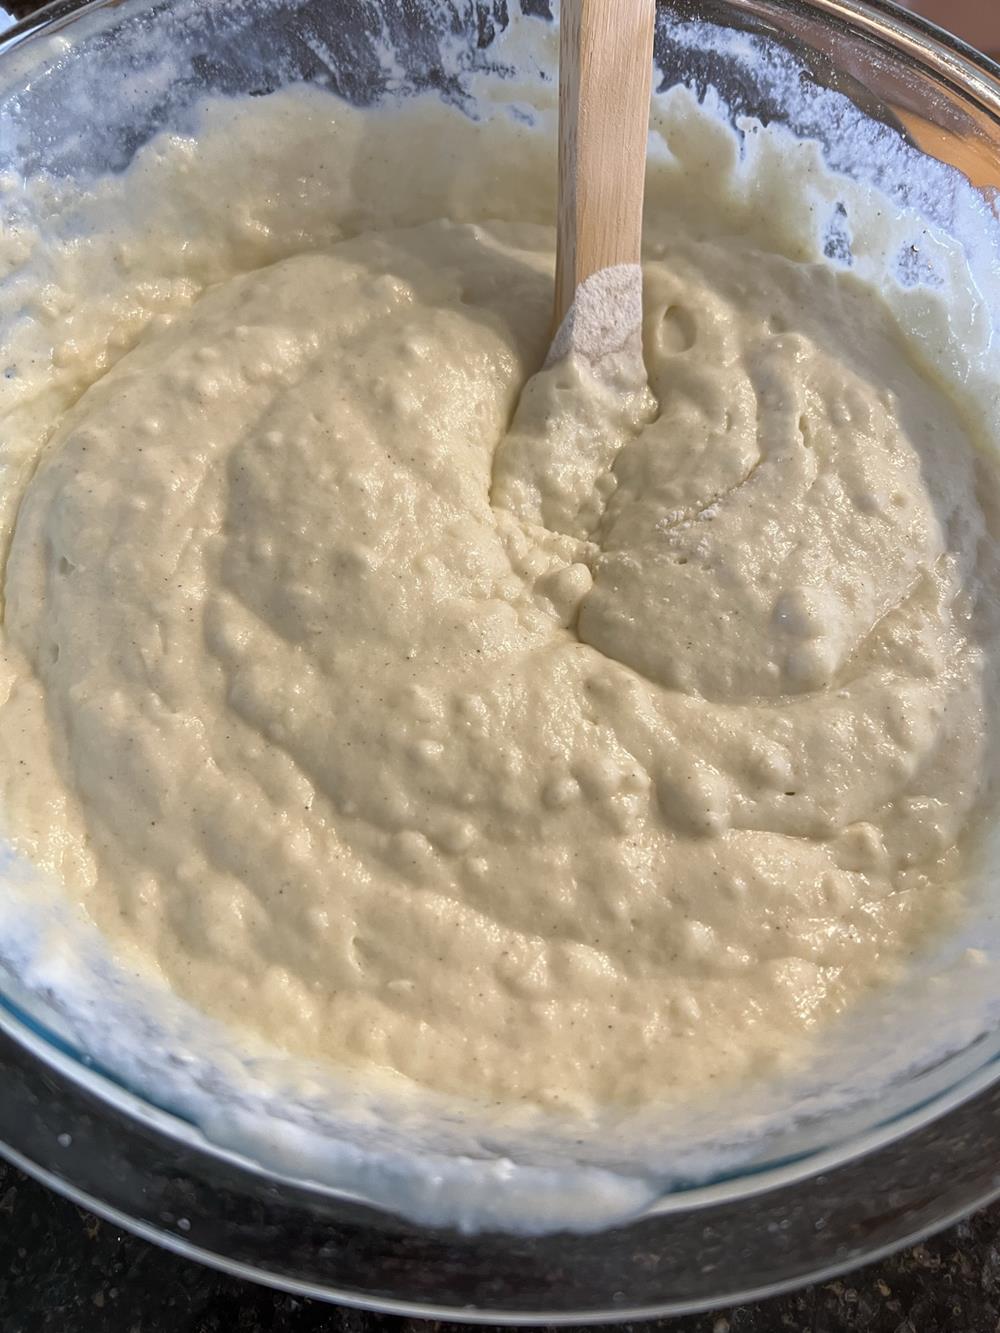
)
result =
(846, 1192)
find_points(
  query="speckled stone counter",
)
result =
(64, 1271)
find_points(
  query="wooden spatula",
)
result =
(605, 73)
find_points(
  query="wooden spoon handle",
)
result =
(605, 75)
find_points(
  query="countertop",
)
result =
(63, 1270)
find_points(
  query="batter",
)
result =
(423, 711)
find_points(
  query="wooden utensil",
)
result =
(605, 76)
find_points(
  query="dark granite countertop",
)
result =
(63, 1270)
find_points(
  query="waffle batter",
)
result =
(532, 737)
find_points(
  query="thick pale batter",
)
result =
(527, 740)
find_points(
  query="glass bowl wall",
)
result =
(918, 1165)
